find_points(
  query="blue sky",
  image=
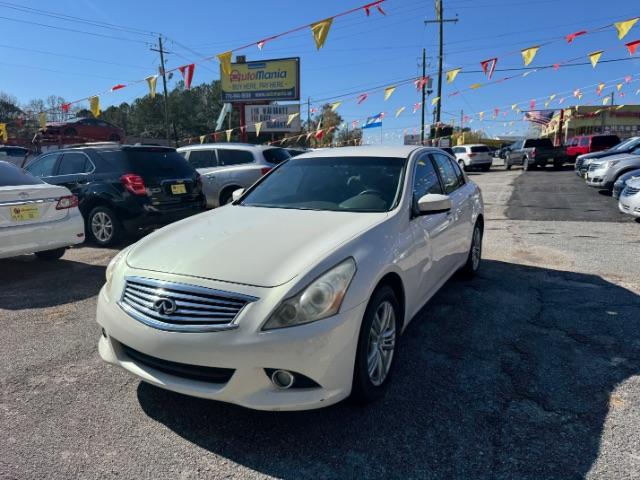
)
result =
(360, 53)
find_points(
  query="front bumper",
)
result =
(323, 351)
(599, 179)
(630, 205)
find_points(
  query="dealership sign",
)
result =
(274, 118)
(268, 80)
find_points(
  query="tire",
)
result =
(557, 165)
(474, 257)
(227, 195)
(507, 166)
(525, 164)
(461, 165)
(51, 255)
(111, 231)
(486, 168)
(383, 307)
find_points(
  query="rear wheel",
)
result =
(475, 253)
(525, 164)
(227, 195)
(103, 226)
(50, 255)
(376, 346)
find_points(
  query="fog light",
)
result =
(282, 379)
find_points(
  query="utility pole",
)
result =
(440, 20)
(164, 88)
(424, 91)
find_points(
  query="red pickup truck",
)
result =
(589, 144)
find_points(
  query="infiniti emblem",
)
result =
(164, 306)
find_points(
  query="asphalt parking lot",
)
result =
(530, 371)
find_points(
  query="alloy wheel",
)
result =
(102, 227)
(382, 342)
(476, 248)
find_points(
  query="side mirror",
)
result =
(434, 203)
(237, 194)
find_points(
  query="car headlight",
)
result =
(113, 263)
(320, 299)
(611, 163)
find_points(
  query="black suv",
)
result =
(123, 188)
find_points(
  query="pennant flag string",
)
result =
(624, 27)
(595, 57)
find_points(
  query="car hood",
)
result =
(595, 155)
(619, 157)
(263, 247)
(634, 182)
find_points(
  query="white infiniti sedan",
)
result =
(36, 217)
(294, 296)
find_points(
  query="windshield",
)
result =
(628, 143)
(344, 184)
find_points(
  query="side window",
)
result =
(234, 157)
(203, 158)
(458, 150)
(447, 173)
(74, 163)
(458, 171)
(517, 145)
(43, 166)
(584, 141)
(425, 180)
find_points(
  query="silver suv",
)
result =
(603, 173)
(226, 167)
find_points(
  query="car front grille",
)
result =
(628, 191)
(180, 307)
(183, 370)
(579, 162)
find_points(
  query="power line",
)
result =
(55, 27)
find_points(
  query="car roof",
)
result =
(400, 151)
(112, 146)
(234, 146)
(472, 145)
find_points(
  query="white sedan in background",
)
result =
(629, 201)
(36, 217)
(294, 296)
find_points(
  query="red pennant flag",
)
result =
(367, 8)
(65, 107)
(187, 74)
(496, 112)
(314, 109)
(380, 9)
(556, 66)
(354, 124)
(571, 37)
(633, 46)
(361, 98)
(260, 44)
(421, 82)
(319, 134)
(416, 107)
(532, 105)
(117, 87)
(488, 66)
(627, 79)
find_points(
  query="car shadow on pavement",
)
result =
(511, 375)
(26, 282)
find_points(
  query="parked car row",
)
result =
(617, 171)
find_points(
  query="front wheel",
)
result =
(51, 255)
(376, 346)
(525, 164)
(475, 253)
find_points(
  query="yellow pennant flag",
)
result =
(334, 106)
(546, 104)
(399, 111)
(452, 74)
(258, 127)
(595, 57)
(152, 81)
(528, 54)
(202, 137)
(619, 86)
(225, 61)
(388, 92)
(42, 118)
(434, 100)
(94, 105)
(514, 106)
(229, 132)
(320, 31)
(624, 27)
(3, 132)
(481, 115)
(552, 97)
(605, 100)
(475, 86)
(292, 117)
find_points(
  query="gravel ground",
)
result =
(530, 371)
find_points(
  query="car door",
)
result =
(458, 230)
(515, 155)
(206, 163)
(73, 171)
(431, 232)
